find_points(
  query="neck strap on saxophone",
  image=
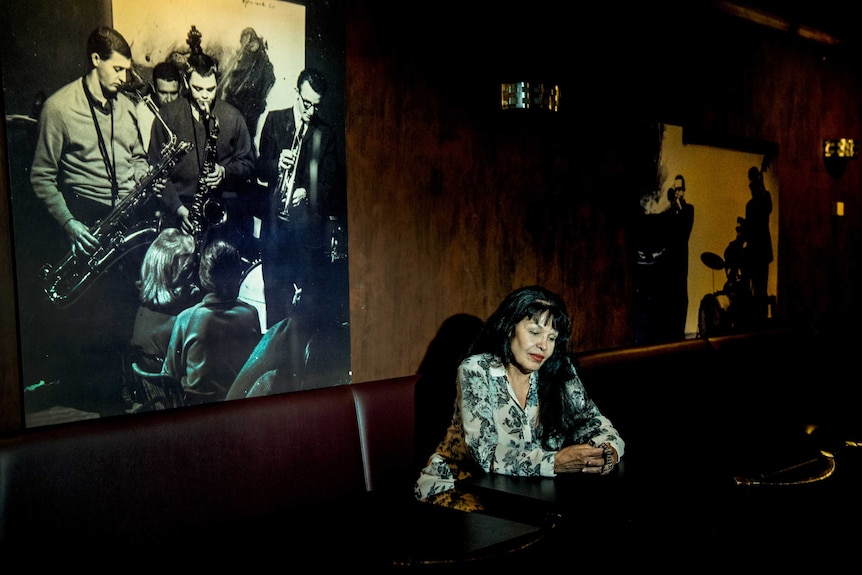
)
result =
(110, 161)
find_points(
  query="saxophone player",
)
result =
(89, 154)
(88, 158)
(298, 162)
(192, 119)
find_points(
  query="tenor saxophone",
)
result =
(206, 211)
(117, 234)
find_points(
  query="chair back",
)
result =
(156, 390)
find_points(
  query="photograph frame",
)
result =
(44, 401)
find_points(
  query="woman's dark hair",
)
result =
(221, 270)
(555, 411)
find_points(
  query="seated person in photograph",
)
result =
(276, 365)
(213, 339)
(167, 287)
(295, 354)
(520, 407)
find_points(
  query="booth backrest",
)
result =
(134, 476)
(708, 406)
(653, 394)
(385, 412)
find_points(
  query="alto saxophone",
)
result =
(206, 211)
(286, 182)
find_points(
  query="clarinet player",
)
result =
(297, 161)
(88, 157)
(222, 154)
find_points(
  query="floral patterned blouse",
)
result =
(491, 431)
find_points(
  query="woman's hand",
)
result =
(584, 458)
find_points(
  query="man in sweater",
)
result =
(89, 153)
(88, 158)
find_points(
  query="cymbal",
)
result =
(712, 260)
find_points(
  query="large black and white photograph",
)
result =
(178, 191)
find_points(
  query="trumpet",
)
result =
(285, 185)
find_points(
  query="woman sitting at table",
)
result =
(520, 408)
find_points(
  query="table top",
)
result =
(396, 531)
(563, 489)
(424, 533)
(715, 518)
(532, 499)
(376, 532)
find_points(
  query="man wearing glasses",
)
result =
(298, 163)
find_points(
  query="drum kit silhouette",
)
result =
(715, 315)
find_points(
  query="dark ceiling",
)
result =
(833, 18)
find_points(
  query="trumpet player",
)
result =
(190, 118)
(297, 161)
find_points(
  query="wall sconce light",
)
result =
(836, 153)
(530, 96)
(838, 209)
(840, 148)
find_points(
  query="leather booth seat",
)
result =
(205, 477)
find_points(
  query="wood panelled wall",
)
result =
(453, 203)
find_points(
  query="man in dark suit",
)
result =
(297, 161)
(223, 157)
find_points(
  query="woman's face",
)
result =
(533, 342)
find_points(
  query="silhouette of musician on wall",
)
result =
(743, 302)
(758, 243)
(662, 269)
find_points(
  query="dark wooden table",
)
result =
(531, 499)
(665, 520)
(424, 534)
(397, 534)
